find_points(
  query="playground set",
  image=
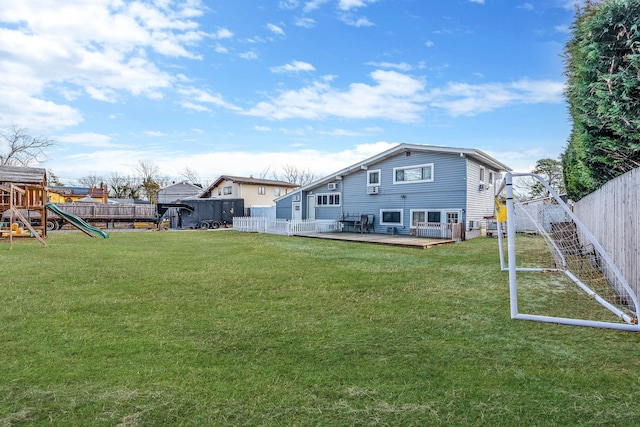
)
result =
(24, 190)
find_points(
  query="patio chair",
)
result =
(362, 225)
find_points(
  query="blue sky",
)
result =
(246, 86)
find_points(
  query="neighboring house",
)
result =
(403, 187)
(178, 191)
(175, 193)
(254, 191)
(75, 194)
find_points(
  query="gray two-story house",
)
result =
(402, 188)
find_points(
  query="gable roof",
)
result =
(401, 148)
(250, 180)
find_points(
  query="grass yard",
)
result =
(229, 328)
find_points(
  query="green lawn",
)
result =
(229, 328)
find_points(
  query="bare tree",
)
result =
(123, 187)
(295, 175)
(152, 180)
(91, 181)
(53, 179)
(191, 176)
(18, 148)
(265, 173)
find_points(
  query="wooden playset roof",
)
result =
(23, 175)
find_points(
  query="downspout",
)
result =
(466, 191)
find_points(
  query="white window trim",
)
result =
(443, 214)
(379, 171)
(414, 167)
(482, 174)
(329, 196)
(411, 212)
(397, 224)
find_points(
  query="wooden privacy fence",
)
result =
(284, 226)
(612, 215)
(102, 211)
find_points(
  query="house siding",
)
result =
(480, 203)
(447, 191)
(284, 208)
(453, 193)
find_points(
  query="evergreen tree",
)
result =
(603, 70)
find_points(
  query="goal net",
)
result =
(558, 272)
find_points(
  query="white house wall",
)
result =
(480, 202)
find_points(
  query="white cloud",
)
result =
(288, 4)
(313, 5)
(349, 132)
(356, 22)
(429, 43)
(394, 96)
(155, 133)
(86, 139)
(462, 99)
(124, 161)
(293, 67)
(352, 4)
(477, 1)
(526, 6)
(248, 55)
(402, 66)
(275, 29)
(223, 33)
(51, 46)
(305, 22)
(195, 98)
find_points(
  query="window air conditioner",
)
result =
(333, 186)
(372, 190)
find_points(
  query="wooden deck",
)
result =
(383, 239)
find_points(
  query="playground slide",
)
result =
(76, 221)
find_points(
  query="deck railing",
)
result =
(284, 226)
(434, 230)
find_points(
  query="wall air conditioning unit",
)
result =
(333, 186)
(482, 187)
(372, 189)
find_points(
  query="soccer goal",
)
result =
(558, 272)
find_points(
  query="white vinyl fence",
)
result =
(434, 230)
(284, 226)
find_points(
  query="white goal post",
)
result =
(558, 272)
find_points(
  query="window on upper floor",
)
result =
(411, 174)
(262, 191)
(481, 174)
(227, 190)
(276, 192)
(373, 177)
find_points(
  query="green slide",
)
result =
(76, 221)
